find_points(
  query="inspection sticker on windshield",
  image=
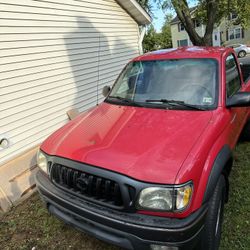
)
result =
(207, 100)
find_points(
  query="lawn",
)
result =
(28, 226)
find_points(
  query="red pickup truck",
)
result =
(148, 168)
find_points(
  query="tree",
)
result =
(207, 10)
(146, 4)
(151, 41)
(165, 36)
(210, 12)
(154, 41)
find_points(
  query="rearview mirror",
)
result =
(241, 99)
(105, 91)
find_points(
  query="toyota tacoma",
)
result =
(148, 168)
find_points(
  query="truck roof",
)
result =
(184, 52)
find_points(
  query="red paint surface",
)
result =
(155, 145)
(146, 144)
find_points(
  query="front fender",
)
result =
(224, 156)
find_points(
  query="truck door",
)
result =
(234, 85)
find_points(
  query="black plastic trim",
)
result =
(220, 162)
(118, 227)
(240, 99)
(125, 182)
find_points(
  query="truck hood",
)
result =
(144, 143)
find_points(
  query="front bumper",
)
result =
(127, 230)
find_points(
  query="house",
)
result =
(56, 56)
(224, 34)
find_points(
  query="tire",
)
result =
(210, 238)
(242, 53)
(245, 136)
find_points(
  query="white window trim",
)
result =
(181, 25)
(234, 33)
(178, 42)
(231, 16)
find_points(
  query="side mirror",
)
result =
(105, 91)
(241, 99)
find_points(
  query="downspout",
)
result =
(141, 37)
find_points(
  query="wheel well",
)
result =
(221, 166)
(226, 172)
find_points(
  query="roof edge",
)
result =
(176, 19)
(136, 11)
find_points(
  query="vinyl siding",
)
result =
(56, 55)
(183, 35)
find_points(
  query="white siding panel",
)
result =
(56, 55)
(38, 90)
(103, 46)
(43, 41)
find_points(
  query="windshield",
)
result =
(162, 82)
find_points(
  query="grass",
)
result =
(29, 226)
(236, 228)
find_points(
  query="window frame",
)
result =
(179, 41)
(160, 106)
(238, 70)
(233, 16)
(196, 23)
(234, 33)
(181, 27)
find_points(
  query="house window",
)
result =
(196, 23)
(235, 34)
(181, 27)
(183, 42)
(231, 34)
(233, 16)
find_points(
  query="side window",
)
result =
(233, 83)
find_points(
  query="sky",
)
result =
(159, 15)
(158, 18)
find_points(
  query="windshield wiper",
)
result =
(176, 103)
(125, 100)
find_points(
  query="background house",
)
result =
(224, 34)
(55, 55)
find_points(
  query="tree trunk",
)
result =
(183, 13)
(208, 39)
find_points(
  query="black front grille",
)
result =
(87, 185)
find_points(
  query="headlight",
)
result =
(165, 199)
(42, 161)
(156, 198)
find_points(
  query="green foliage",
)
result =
(146, 4)
(242, 8)
(151, 41)
(210, 12)
(224, 8)
(154, 41)
(165, 37)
